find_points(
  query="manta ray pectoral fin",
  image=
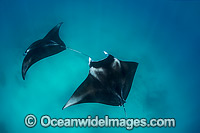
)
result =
(129, 69)
(92, 91)
(53, 35)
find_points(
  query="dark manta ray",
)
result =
(109, 80)
(51, 44)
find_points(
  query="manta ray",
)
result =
(51, 44)
(108, 81)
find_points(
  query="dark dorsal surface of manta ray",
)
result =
(51, 44)
(109, 82)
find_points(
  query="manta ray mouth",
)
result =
(103, 58)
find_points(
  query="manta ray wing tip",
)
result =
(66, 105)
(72, 101)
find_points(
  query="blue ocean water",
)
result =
(162, 36)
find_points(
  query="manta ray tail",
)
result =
(125, 110)
(78, 52)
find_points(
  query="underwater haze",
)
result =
(163, 36)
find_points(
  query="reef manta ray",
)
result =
(109, 80)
